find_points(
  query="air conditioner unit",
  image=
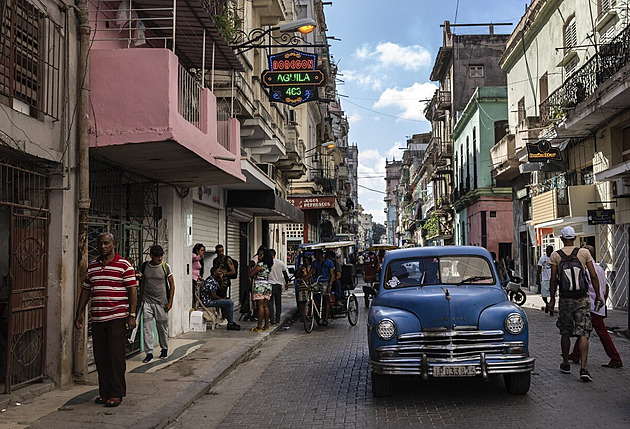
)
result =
(621, 187)
(293, 117)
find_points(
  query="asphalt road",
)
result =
(321, 380)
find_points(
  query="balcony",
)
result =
(504, 160)
(436, 109)
(293, 165)
(575, 107)
(150, 116)
(259, 137)
(559, 202)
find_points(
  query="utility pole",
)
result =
(83, 121)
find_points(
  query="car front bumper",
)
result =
(425, 367)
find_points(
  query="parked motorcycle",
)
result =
(513, 289)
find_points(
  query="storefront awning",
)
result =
(266, 205)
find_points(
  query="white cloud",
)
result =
(393, 55)
(408, 57)
(408, 99)
(395, 151)
(354, 118)
(365, 80)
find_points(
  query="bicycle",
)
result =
(313, 306)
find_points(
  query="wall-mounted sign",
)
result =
(209, 195)
(292, 77)
(521, 193)
(313, 203)
(542, 151)
(601, 217)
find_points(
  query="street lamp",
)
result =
(327, 145)
(243, 42)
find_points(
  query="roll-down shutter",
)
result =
(233, 249)
(205, 226)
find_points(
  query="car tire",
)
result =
(517, 384)
(381, 385)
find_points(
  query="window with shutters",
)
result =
(570, 68)
(521, 110)
(604, 6)
(570, 33)
(607, 34)
(30, 59)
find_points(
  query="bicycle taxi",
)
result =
(311, 300)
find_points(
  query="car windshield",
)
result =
(452, 269)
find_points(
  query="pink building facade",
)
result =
(490, 224)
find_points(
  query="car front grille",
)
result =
(450, 345)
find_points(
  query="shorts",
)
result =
(574, 317)
(545, 292)
(321, 286)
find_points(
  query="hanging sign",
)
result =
(542, 151)
(292, 77)
(601, 217)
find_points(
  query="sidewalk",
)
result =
(616, 321)
(157, 392)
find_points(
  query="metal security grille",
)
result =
(24, 214)
(30, 59)
(614, 252)
(126, 205)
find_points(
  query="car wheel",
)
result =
(381, 385)
(353, 310)
(519, 298)
(517, 384)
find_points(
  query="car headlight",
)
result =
(514, 323)
(386, 329)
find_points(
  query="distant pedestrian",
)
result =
(225, 264)
(278, 276)
(543, 275)
(110, 282)
(597, 316)
(157, 289)
(198, 253)
(568, 266)
(262, 289)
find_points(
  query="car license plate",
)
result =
(454, 371)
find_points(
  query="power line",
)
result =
(373, 190)
(385, 114)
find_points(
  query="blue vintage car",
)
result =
(441, 312)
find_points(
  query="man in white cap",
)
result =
(568, 273)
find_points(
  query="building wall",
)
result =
(499, 229)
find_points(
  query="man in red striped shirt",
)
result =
(110, 282)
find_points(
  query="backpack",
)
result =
(235, 263)
(572, 279)
(168, 285)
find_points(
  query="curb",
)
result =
(169, 413)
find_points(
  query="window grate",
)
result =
(30, 59)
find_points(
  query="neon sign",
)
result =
(292, 77)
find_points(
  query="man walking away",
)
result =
(544, 270)
(568, 273)
(111, 284)
(278, 275)
(157, 289)
(597, 316)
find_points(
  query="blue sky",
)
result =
(385, 57)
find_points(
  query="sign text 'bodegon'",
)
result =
(292, 77)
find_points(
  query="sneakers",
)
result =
(585, 376)
(233, 327)
(545, 309)
(164, 354)
(565, 368)
(149, 358)
(613, 364)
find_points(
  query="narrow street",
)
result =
(322, 380)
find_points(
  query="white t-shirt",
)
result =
(601, 276)
(275, 274)
(546, 267)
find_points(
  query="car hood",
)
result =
(446, 306)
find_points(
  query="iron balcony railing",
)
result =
(609, 59)
(189, 97)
